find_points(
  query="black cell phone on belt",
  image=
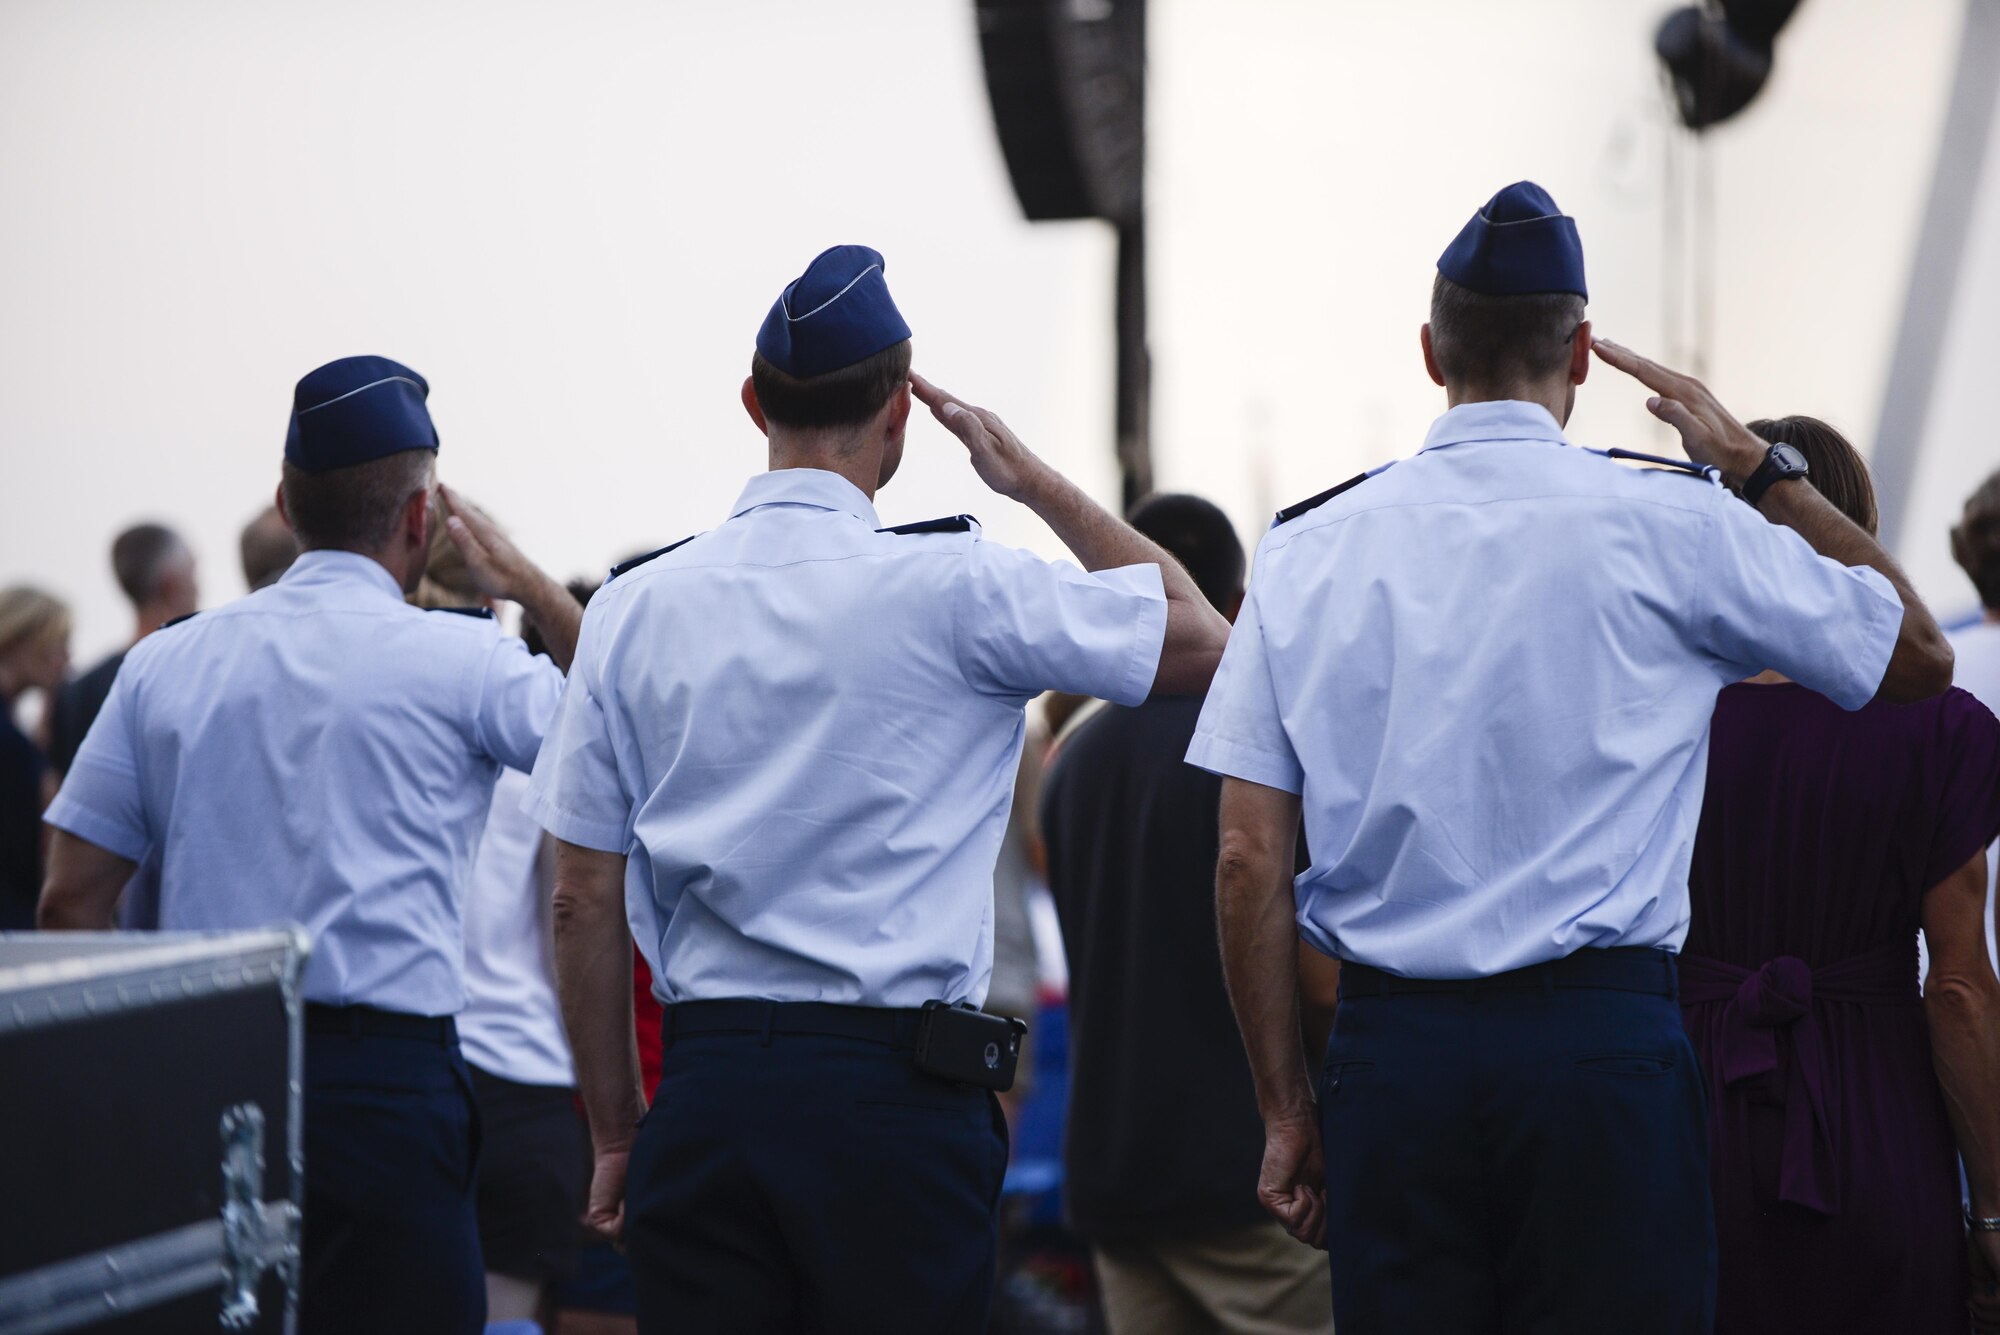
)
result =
(969, 1046)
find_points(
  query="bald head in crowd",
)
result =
(268, 549)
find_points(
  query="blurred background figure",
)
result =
(1017, 974)
(1164, 1139)
(534, 1159)
(267, 548)
(155, 569)
(1826, 839)
(1975, 545)
(34, 656)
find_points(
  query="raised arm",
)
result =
(1196, 631)
(1920, 666)
(594, 980)
(1260, 966)
(1962, 1004)
(502, 571)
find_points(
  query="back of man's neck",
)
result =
(1462, 396)
(384, 559)
(858, 466)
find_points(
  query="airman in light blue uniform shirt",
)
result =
(1482, 680)
(321, 752)
(786, 750)
(1442, 850)
(738, 757)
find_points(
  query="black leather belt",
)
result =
(1618, 969)
(875, 1024)
(356, 1021)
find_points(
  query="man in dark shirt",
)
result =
(1164, 1140)
(155, 568)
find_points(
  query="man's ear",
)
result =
(417, 519)
(898, 420)
(754, 408)
(279, 501)
(1430, 357)
(1579, 354)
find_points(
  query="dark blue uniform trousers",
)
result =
(391, 1243)
(1523, 1157)
(814, 1183)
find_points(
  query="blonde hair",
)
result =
(30, 617)
(446, 582)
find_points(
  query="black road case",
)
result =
(150, 1168)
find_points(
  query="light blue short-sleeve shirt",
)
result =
(804, 732)
(323, 753)
(1489, 670)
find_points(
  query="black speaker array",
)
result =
(1068, 80)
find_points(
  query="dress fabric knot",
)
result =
(1770, 1028)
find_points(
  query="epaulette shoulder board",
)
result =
(1312, 503)
(637, 561)
(1707, 472)
(483, 613)
(949, 524)
(185, 616)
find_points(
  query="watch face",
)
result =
(1788, 460)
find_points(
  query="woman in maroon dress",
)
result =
(1827, 839)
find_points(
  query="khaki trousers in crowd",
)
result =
(1251, 1281)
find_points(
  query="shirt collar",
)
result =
(814, 487)
(1497, 419)
(330, 566)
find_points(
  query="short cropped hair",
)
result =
(1835, 468)
(354, 508)
(1495, 341)
(1200, 537)
(141, 556)
(1975, 541)
(846, 397)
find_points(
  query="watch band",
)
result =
(1980, 1225)
(1767, 474)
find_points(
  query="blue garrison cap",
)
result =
(1520, 243)
(838, 312)
(357, 409)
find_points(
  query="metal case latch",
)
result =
(246, 1249)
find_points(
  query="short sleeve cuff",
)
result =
(108, 833)
(1236, 761)
(1877, 640)
(1149, 642)
(571, 827)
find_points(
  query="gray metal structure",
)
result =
(1940, 257)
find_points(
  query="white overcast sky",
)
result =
(572, 218)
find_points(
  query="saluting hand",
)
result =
(1709, 433)
(998, 456)
(495, 564)
(1292, 1184)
